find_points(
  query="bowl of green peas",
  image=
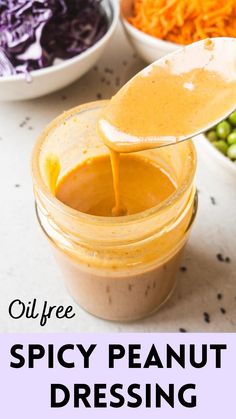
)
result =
(221, 142)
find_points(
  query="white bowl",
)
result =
(148, 47)
(55, 77)
(221, 165)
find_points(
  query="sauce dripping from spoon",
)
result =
(173, 99)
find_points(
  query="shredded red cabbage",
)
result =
(35, 32)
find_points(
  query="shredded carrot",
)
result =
(185, 21)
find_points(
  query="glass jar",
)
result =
(117, 268)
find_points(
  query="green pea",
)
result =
(221, 145)
(231, 152)
(232, 138)
(211, 135)
(223, 129)
(232, 118)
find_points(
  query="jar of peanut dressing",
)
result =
(116, 267)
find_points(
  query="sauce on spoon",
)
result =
(171, 100)
(174, 98)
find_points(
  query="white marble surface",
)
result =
(27, 268)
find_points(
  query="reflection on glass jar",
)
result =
(118, 268)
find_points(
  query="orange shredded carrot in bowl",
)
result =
(185, 21)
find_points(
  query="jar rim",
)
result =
(94, 219)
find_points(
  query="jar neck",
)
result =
(116, 231)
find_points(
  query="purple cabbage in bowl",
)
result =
(33, 33)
